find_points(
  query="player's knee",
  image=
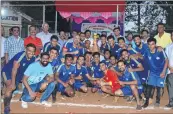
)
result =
(93, 90)
(85, 89)
(133, 87)
(103, 88)
(118, 93)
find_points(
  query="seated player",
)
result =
(38, 77)
(80, 73)
(65, 77)
(130, 83)
(158, 63)
(107, 55)
(53, 43)
(109, 83)
(13, 72)
(72, 48)
(97, 73)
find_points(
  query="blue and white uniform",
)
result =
(64, 75)
(48, 46)
(80, 72)
(127, 77)
(104, 47)
(23, 64)
(156, 63)
(70, 48)
(114, 49)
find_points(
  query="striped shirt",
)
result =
(13, 45)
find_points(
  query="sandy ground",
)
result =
(86, 103)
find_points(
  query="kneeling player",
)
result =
(110, 82)
(81, 72)
(38, 77)
(65, 77)
(131, 84)
(13, 72)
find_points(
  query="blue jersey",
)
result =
(107, 62)
(131, 76)
(65, 73)
(156, 61)
(55, 64)
(104, 47)
(82, 72)
(118, 53)
(48, 45)
(36, 72)
(114, 49)
(143, 49)
(97, 73)
(70, 48)
(23, 64)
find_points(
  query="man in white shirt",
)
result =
(44, 35)
(169, 52)
(2, 47)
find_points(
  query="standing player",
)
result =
(13, 72)
(38, 77)
(157, 66)
(65, 77)
(113, 46)
(130, 82)
(104, 44)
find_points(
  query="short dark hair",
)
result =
(54, 48)
(31, 45)
(113, 56)
(116, 28)
(151, 40)
(96, 53)
(136, 36)
(121, 38)
(14, 27)
(44, 53)
(121, 61)
(160, 24)
(32, 26)
(107, 50)
(103, 36)
(80, 56)
(103, 62)
(110, 37)
(130, 33)
(68, 56)
(90, 53)
(144, 30)
(87, 31)
(123, 51)
(54, 37)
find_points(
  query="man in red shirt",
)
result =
(34, 40)
(109, 83)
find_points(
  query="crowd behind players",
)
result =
(46, 64)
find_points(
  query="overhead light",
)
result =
(3, 11)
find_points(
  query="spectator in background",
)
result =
(169, 52)
(74, 34)
(34, 40)
(82, 39)
(53, 43)
(2, 47)
(129, 40)
(163, 38)
(145, 35)
(62, 39)
(116, 33)
(88, 36)
(13, 44)
(104, 33)
(44, 35)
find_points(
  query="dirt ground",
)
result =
(86, 103)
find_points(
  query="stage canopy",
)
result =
(79, 10)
